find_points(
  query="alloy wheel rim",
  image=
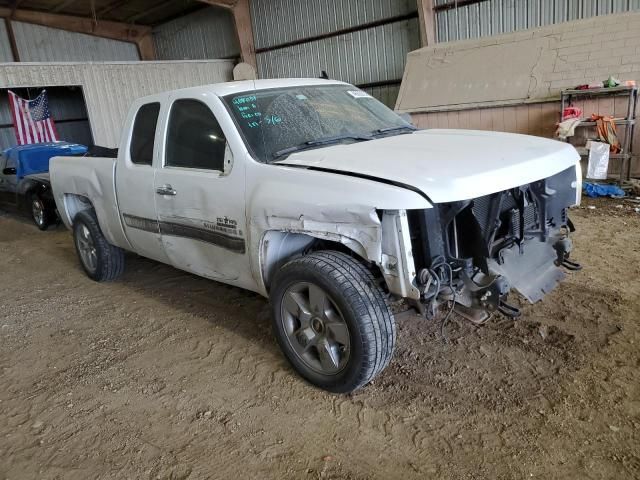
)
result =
(87, 248)
(315, 328)
(37, 209)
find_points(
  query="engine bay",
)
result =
(474, 252)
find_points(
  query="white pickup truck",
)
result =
(315, 195)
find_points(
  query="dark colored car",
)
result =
(24, 179)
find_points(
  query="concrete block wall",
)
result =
(591, 50)
(457, 85)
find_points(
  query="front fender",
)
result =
(321, 205)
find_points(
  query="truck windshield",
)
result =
(281, 121)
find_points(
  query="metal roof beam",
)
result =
(62, 5)
(456, 4)
(111, 7)
(151, 10)
(229, 4)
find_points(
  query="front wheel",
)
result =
(100, 260)
(332, 321)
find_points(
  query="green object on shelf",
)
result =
(611, 82)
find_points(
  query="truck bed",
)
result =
(92, 178)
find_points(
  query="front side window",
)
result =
(194, 137)
(144, 133)
(279, 121)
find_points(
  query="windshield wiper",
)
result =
(319, 142)
(380, 131)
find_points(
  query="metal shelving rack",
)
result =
(627, 122)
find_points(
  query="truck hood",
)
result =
(447, 165)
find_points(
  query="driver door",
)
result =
(200, 195)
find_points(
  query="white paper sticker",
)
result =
(598, 161)
(358, 94)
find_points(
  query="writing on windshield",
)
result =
(277, 120)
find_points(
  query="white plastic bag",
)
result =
(598, 161)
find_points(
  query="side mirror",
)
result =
(9, 171)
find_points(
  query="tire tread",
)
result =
(361, 291)
(110, 257)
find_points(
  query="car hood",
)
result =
(447, 165)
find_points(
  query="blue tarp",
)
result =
(594, 190)
(29, 159)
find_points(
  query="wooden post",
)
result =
(242, 19)
(146, 48)
(427, 23)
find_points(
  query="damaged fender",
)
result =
(328, 206)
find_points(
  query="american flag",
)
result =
(32, 120)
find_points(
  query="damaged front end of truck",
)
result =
(474, 252)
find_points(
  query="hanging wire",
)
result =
(93, 12)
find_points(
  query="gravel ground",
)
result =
(163, 375)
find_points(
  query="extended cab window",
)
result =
(144, 132)
(194, 137)
(10, 162)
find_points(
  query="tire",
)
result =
(39, 213)
(343, 345)
(100, 260)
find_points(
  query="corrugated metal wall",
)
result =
(207, 33)
(110, 88)
(44, 44)
(366, 56)
(281, 21)
(5, 48)
(493, 17)
(300, 39)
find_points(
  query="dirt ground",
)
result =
(163, 375)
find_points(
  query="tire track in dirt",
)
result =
(180, 378)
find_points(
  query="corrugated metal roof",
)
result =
(493, 17)
(361, 57)
(109, 88)
(208, 33)
(44, 44)
(276, 22)
(5, 48)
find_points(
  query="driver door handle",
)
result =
(166, 190)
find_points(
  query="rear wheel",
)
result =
(39, 213)
(100, 260)
(332, 321)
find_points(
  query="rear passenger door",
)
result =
(135, 183)
(200, 193)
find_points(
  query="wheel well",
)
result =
(74, 204)
(278, 248)
(28, 196)
(29, 188)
